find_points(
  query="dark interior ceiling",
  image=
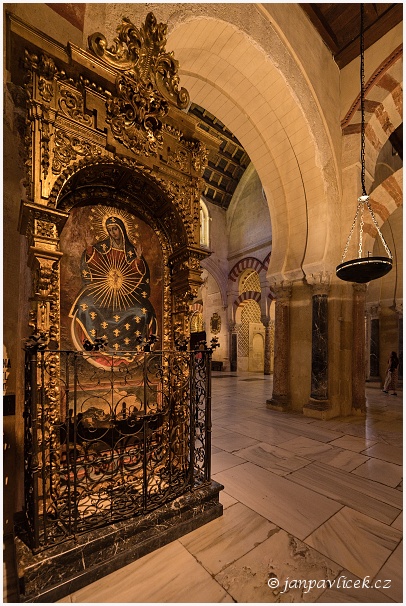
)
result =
(339, 25)
(226, 166)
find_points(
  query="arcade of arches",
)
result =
(269, 255)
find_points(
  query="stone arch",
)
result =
(131, 186)
(248, 295)
(117, 182)
(246, 263)
(213, 268)
(285, 137)
(383, 107)
(384, 200)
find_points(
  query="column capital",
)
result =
(373, 309)
(320, 282)
(233, 326)
(282, 290)
(265, 320)
(362, 288)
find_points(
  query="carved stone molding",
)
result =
(282, 291)
(320, 282)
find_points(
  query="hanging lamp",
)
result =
(363, 269)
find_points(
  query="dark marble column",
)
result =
(318, 400)
(358, 348)
(372, 361)
(233, 347)
(319, 389)
(281, 392)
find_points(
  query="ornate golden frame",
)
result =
(106, 123)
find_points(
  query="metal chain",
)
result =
(386, 247)
(361, 230)
(351, 232)
(364, 199)
(362, 97)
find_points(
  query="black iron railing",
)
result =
(104, 445)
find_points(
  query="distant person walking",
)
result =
(391, 379)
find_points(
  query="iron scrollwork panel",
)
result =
(123, 442)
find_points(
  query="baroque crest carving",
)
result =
(146, 83)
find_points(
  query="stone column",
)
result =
(281, 392)
(372, 343)
(268, 343)
(319, 404)
(233, 329)
(358, 349)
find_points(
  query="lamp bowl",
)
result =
(364, 269)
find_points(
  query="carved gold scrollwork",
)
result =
(71, 104)
(67, 148)
(141, 53)
(45, 139)
(135, 115)
(46, 70)
(178, 158)
(200, 155)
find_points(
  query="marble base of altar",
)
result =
(62, 569)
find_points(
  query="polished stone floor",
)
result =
(312, 510)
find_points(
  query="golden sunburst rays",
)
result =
(113, 281)
(99, 216)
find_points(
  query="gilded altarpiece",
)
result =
(114, 174)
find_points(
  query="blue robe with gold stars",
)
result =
(114, 301)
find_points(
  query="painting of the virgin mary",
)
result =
(114, 300)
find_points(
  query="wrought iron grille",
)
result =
(104, 446)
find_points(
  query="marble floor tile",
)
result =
(279, 560)
(271, 457)
(398, 523)
(322, 434)
(223, 460)
(392, 571)
(259, 431)
(336, 498)
(277, 499)
(303, 446)
(226, 500)
(380, 471)
(386, 452)
(169, 574)
(346, 460)
(224, 540)
(232, 441)
(352, 443)
(380, 502)
(325, 453)
(359, 543)
(344, 592)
